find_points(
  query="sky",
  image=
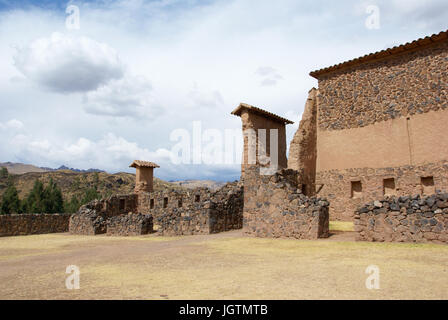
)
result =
(134, 78)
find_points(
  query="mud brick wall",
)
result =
(404, 219)
(91, 219)
(303, 147)
(402, 85)
(134, 224)
(26, 224)
(274, 207)
(337, 185)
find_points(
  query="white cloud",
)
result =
(127, 97)
(269, 76)
(205, 98)
(66, 63)
(12, 124)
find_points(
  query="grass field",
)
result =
(223, 266)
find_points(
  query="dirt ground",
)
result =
(223, 266)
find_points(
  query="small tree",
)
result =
(90, 195)
(4, 173)
(10, 200)
(35, 199)
(52, 198)
(72, 206)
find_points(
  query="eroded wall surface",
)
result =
(303, 147)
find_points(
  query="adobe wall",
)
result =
(387, 115)
(251, 120)
(303, 147)
(404, 219)
(274, 207)
(27, 224)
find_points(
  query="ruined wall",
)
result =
(92, 218)
(26, 224)
(303, 147)
(340, 186)
(275, 207)
(227, 208)
(193, 212)
(134, 224)
(404, 219)
(382, 119)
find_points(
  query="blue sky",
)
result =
(117, 88)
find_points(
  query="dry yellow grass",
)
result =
(225, 266)
(341, 226)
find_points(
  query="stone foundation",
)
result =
(26, 224)
(336, 185)
(275, 207)
(404, 219)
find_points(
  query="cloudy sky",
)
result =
(136, 73)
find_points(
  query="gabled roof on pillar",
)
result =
(143, 164)
(264, 113)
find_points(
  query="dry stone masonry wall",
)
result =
(193, 212)
(133, 224)
(274, 207)
(92, 218)
(404, 219)
(26, 224)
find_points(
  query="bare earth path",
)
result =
(223, 266)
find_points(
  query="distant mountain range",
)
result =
(21, 168)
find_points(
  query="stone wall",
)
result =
(275, 207)
(91, 219)
(26, 224)
(133, 224)
(404, 84)
(404, 219)
(193, 212)
(337, 185)
(303, 147)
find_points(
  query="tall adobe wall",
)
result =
(302, 150)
